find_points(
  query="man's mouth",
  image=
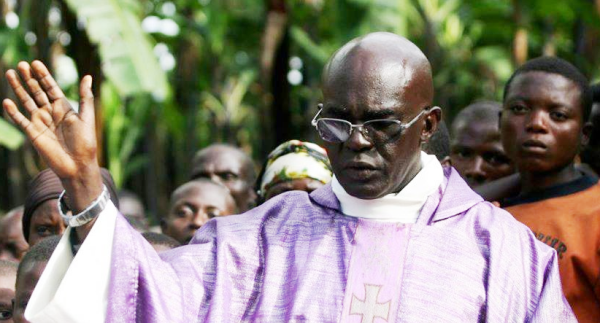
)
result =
(532, 145)
(360, 170)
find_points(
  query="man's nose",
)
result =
(215, 178)
(476, 171)
(537, 122)
(200, 218)
(358, 141)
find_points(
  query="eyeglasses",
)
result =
(379, 130)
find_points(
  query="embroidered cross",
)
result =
(369, 308)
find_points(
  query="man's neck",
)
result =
(531, 182)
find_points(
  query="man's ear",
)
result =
(586, 133)
(432, 119)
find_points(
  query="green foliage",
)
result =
(125, 49)
(216, 91)
(10, 137)
(124, 126)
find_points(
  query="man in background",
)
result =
(477, 152)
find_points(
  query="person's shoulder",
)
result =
(489, 216)
(502, 227)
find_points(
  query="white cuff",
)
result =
(75, 289)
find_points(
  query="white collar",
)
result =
(404, 206)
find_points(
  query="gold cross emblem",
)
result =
(369, 308)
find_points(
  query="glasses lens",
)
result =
(333, 130)
(383, 129)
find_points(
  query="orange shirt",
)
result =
(571, 225)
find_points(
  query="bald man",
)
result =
(192, 205)
(231, 167)
(393, 237)
(476, 148)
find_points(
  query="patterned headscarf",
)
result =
(292, 160)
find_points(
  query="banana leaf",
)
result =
(125, 49)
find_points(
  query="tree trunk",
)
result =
(520, 43)
(273, 70)
(87, 60)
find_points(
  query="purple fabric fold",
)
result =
(288, 261)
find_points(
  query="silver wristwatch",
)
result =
(87, 215)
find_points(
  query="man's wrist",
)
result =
(84, 188)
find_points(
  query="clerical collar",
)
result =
(404, 206)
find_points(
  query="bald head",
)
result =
(379, 76)
(231, 167)
(193, 204)
(389, 64)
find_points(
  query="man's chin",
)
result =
(364, 191)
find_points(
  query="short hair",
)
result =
(160, 239)
(8, 268)
(480, 111)
(40, 252)
(555, 65)
(439, 143)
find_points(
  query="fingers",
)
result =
(48, 83)
(15, 84)
(34, 87)
(86, 100)
(17, 117)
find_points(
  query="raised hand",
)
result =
(65, 139)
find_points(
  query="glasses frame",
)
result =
(361, 126)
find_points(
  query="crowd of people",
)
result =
(270, 255)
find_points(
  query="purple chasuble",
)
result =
(297, 258)
(375, 273)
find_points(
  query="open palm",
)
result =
(65, 139)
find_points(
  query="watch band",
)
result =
(87, 215)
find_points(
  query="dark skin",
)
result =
(542, 128)
(229, 167)
(477, 152)
(192, 205)
(7, 295)
(65, 139)
(380, 76)
(303, 184)
(45, 222)
(12, 243)
(31, 274)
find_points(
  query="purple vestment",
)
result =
(289, 260)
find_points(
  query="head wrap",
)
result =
(295, 160)
(47, 186)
